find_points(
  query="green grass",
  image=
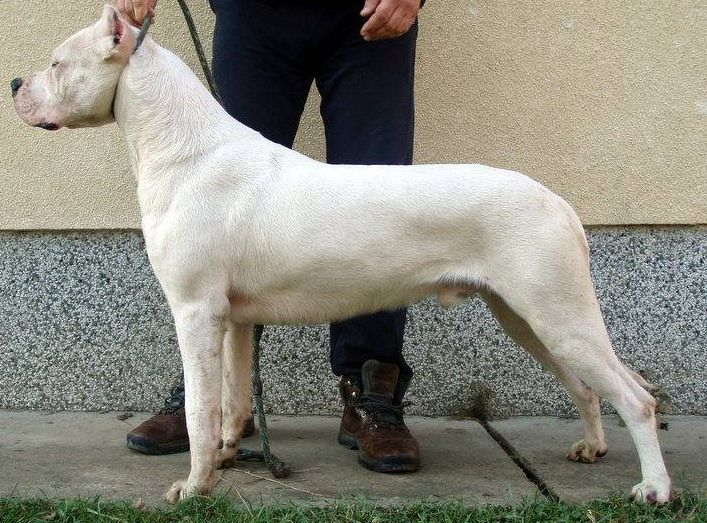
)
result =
(688, 508)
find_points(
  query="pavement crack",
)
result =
(530, 473)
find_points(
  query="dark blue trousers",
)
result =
(267, 54)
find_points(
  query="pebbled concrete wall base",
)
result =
(84, 325)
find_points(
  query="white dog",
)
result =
(242, 231)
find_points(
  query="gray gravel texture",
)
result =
(85, 327)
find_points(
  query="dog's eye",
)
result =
(54, 64)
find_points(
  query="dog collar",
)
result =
(138, 42)
(143, 32)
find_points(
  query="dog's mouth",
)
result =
(48, 126)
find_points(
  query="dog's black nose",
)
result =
(15, 85)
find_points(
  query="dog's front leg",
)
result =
(236, 399)
(200, 331)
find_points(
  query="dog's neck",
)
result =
(165, 113)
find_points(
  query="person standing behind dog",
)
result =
(361, 55)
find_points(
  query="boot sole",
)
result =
(145, 446)
(388, 465)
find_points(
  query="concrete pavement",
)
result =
(83, 454)
(544, 443)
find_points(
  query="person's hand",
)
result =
(136, 10)
(388, 18)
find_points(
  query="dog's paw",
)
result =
(226, 459)
(585, 452)
(227, 454)
(227, 463)
(181, 490)
(175, 492)
(652, 492)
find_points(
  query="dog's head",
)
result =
(78, 87)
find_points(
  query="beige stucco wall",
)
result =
(603, 101)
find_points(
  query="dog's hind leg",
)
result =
(593, 445)
(594, 362)
(200, 330)
(557, 300)
(236, 389)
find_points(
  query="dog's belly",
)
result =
(308, 308)
(311, 307)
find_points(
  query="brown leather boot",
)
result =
(374, 424)
(166, 431)
(350, 389)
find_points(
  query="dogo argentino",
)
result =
(242, 231)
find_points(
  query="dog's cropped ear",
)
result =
(121, 36)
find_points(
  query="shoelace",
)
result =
(174, 401)
(381, 409)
